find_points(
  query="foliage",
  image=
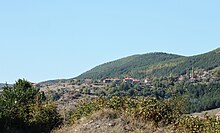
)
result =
(217, 73)
(147, 109)
(165, 113)
(200, 95)
(43, 117)
(191, 124)
(85, 108)
(23, 109)
(153, 65)
(124, 66)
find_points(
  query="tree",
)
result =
(124, 86)
(132, 92)
(218, 73)
(18, 106)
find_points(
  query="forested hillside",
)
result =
(125, 66)
(154, 65)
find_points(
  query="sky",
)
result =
(52, 39)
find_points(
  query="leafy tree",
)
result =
(218, 73)
(18, 109)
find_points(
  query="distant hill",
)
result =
(2, 84)
(51, 82)
(154, 65)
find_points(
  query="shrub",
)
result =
(147, 109)
(191, 124)
(166, 113)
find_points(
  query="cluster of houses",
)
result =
(196, 76)
(117, 80)
(218, 115)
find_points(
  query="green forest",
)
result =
(199, 96)
(153, 65)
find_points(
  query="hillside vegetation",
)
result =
(135, 115)
(153, 65)
(175, 87)
(123, 67)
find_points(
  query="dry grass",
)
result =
(209, 112)
(109, 121)
(103, 121)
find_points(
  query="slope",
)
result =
(123, 67)
(206, 61)
(154, 65)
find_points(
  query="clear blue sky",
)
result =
(50, 39)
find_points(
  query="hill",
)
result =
(128, 65)
(2, 84)
(154, 65)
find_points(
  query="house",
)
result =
(33, 84)
(117, 81)
(146, 80)
(88, 81)
(107, 81)
(181, 78)
(128, 80)
(136, 81)
(217, 115)
(205, 73)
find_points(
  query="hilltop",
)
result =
(154, 65)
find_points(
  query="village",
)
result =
(194, 76)
(91, 86)
(69, 91)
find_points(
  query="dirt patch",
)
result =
(107, 121)
(104, 121)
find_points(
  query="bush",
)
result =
(147, 109)
(205, 124)
(166, 113)
(44, 117)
